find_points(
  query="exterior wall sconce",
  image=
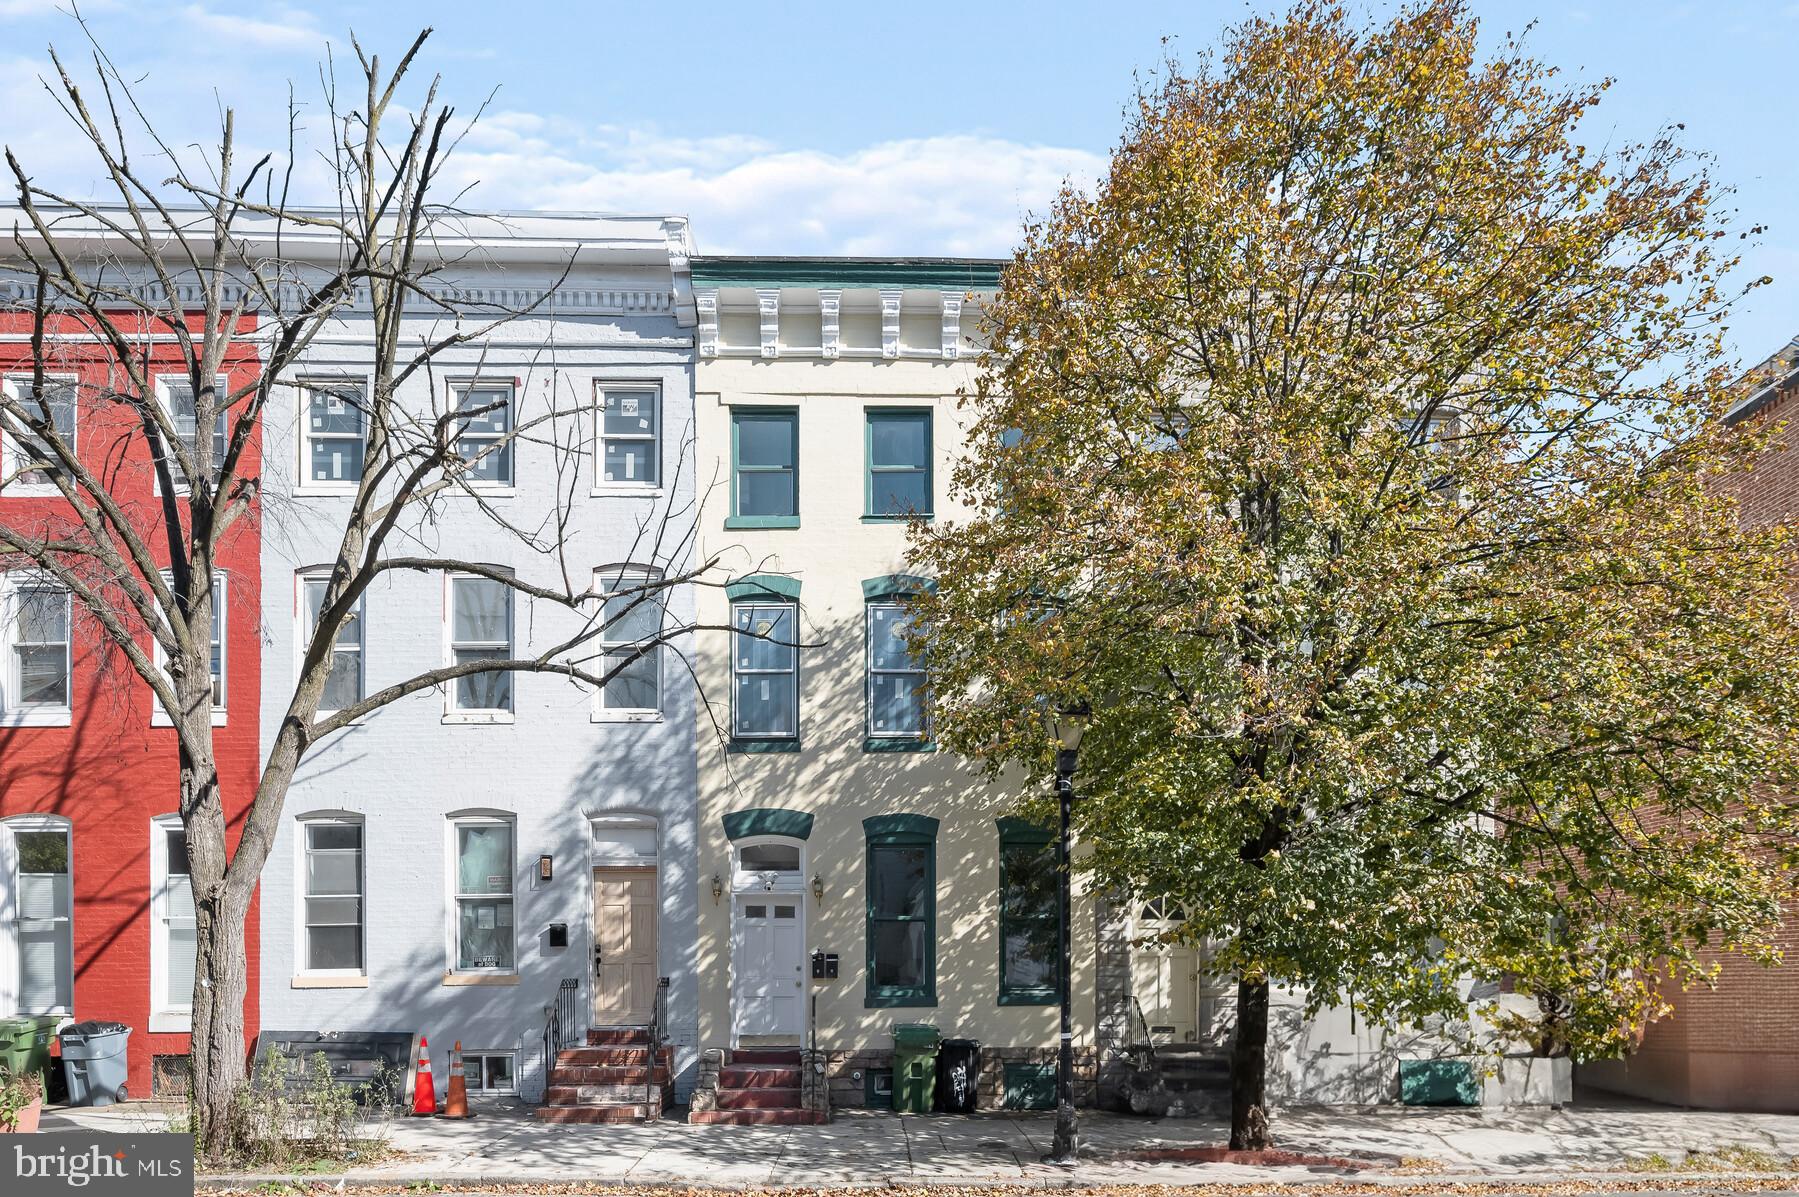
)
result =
(545, 867)
(718, 888)
(818, 888)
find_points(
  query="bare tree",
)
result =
(200, 266)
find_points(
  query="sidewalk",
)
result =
(506, 1144)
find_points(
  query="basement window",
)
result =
(488, 1072)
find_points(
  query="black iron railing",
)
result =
(560, 1022)
(658, 1035)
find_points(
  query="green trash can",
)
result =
(25, 1044)
(914, 1066)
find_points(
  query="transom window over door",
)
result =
(630, 432)
(333, 904)
(484, 431)
(765, 670)
(899, 463)
(483, 876)
(764, 468)
(42, 907)
(480, 630)
(336, 431)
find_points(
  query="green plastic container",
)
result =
(25, 1044)
(914, 1066)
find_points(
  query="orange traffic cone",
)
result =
(424, 1089)
(456, 1097)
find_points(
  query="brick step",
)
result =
(618, 1036)
(591, 1114)
(759, 1099)
(755, 1076)
(780, 1117)
(609, 1074)
(593, 1095)
(779, 1057)
(593, 1057)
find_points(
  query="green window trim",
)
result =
(768, 820)
(893, 586)
(886, 832)
(751, 745)
(1016, 834)
(737, 519)
(898, 744)
(771, 587)
(878, 415)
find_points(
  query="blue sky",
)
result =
(907, 127)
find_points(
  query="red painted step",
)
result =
(607, 1074)
(590, 1114)
(590, 1057)
(758, 1099)
(787, 1057)
(754, 1076)
(618, 1037)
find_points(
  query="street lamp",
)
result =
(1067, 726)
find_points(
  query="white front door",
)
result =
(768, 958)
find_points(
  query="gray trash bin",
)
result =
(93, 1062)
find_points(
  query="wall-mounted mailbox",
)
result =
(559, 935)
(824, 966)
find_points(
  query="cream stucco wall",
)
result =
(832, 777)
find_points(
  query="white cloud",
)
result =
(291, 31)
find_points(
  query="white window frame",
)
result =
(870, 673)
(303, 630)
(304, 387)
(452, 712)
(12, 712)
(13, 455)
(453, 874)
(626, 576)
(461, 386)
(165, 1015)
(601, 485)
(10, 981)
(221, 386)
(477, 1083)
(349, 978)
(222, 611)
(737, 671)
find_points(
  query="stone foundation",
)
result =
(845, 1084)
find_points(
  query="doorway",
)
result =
(624, 947)
(768, 943)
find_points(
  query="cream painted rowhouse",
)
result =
(507, 861)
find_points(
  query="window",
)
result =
(902, 911)
(217, 657)
(331, 918)
(343, 686)
(31, 466)
(764, 469)
(632, 620)
(178, 398)
(171, 925)
(1030, 950)
(36, 632)
(896, 675)
(765, 671)
(480, 630)
(42, 931)
(899, 464)
(484, 432)
(488, 1072)
(629, 431)
(484, 940)
(336, 432)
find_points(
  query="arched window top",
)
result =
(768, 820)
(896, 586)
(900, 829)
(1014, 830)
(775, 587)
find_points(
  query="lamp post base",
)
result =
(1065, 1149)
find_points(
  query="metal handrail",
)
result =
(658, 1033)
(1138, 1018)
(558, 1021)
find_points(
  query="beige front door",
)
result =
(624, 952)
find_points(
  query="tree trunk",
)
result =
(221, 972)
(1249, 1069)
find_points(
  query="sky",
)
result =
(909, 127)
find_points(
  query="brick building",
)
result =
(1736, 1045)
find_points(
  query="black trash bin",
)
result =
(958, 1076)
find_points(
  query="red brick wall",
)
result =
(111, 772)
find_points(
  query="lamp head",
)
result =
(1068, 724)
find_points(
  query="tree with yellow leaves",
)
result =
(1354, 451)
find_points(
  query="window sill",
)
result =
(752, 745)
(1022, 998)
(924, 516)
(159, 718)
(171, 1022)
(626, 717)
(323, 491)
(328, 981)
(38, 717)
(454, 979)
(620, 490)
(897, 744)
(737, 522)
(21, 491)
(895, 1001)
(471, 490)
(480, 717)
